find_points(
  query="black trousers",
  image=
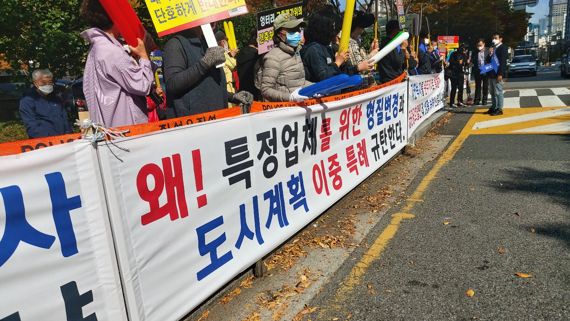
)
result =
(481, 84)
(457, 88)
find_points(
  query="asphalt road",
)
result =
(493, 206)
(544, 79)
(507, 202)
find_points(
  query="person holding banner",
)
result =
(318, 56)
(496, 82)
(391, 66)
(283, 73)
(357, 55)
(194, 84)
(115, 82)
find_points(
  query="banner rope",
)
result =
(95, 132)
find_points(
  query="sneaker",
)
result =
(490, 111)
(497, 112)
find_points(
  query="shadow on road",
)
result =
(555, 230)
(554, 184)
(551, 183)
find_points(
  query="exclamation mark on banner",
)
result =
(197, 160)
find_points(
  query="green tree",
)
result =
(475, 19)
(45, 33)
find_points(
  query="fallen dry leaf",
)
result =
(253, 317)
(470, 293)
(501, 250)
(523, 275)
(305, 311)
(204, 315)
(230, 296)
(247, 283)
(446, 222)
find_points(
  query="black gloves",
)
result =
(242, 98)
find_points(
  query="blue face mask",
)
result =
(293, 39)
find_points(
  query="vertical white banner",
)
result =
(56, 253)
(426, 96)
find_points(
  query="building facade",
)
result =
(558, 17)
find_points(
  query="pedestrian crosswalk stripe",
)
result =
(521, 118)
(544, 97)
(551, 101)
(561, 91)
(527, 92)
(523, 121)
(561, 127)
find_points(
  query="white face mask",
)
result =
(46, 89)
(481, 48)
(426, 42)
(496, 42)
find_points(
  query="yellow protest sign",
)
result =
(170, 16)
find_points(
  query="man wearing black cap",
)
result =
(391, 66)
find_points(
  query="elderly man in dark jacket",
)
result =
(391, 66)
(41, 110)
(193, 83)
(479, 58)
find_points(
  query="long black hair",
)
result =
(323, 25)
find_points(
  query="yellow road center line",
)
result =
(354, 278)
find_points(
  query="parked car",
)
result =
(525, 64)
(557, 63)
(565, 65)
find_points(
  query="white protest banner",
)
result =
(56, 252)
(193, 207)
(426, 96)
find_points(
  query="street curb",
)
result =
(195, 315)
(426, 126)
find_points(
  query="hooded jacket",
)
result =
(114, 83)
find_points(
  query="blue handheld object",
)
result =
(331, 85)
(321, 86)
(352, 81)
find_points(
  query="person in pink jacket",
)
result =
(115, 82)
